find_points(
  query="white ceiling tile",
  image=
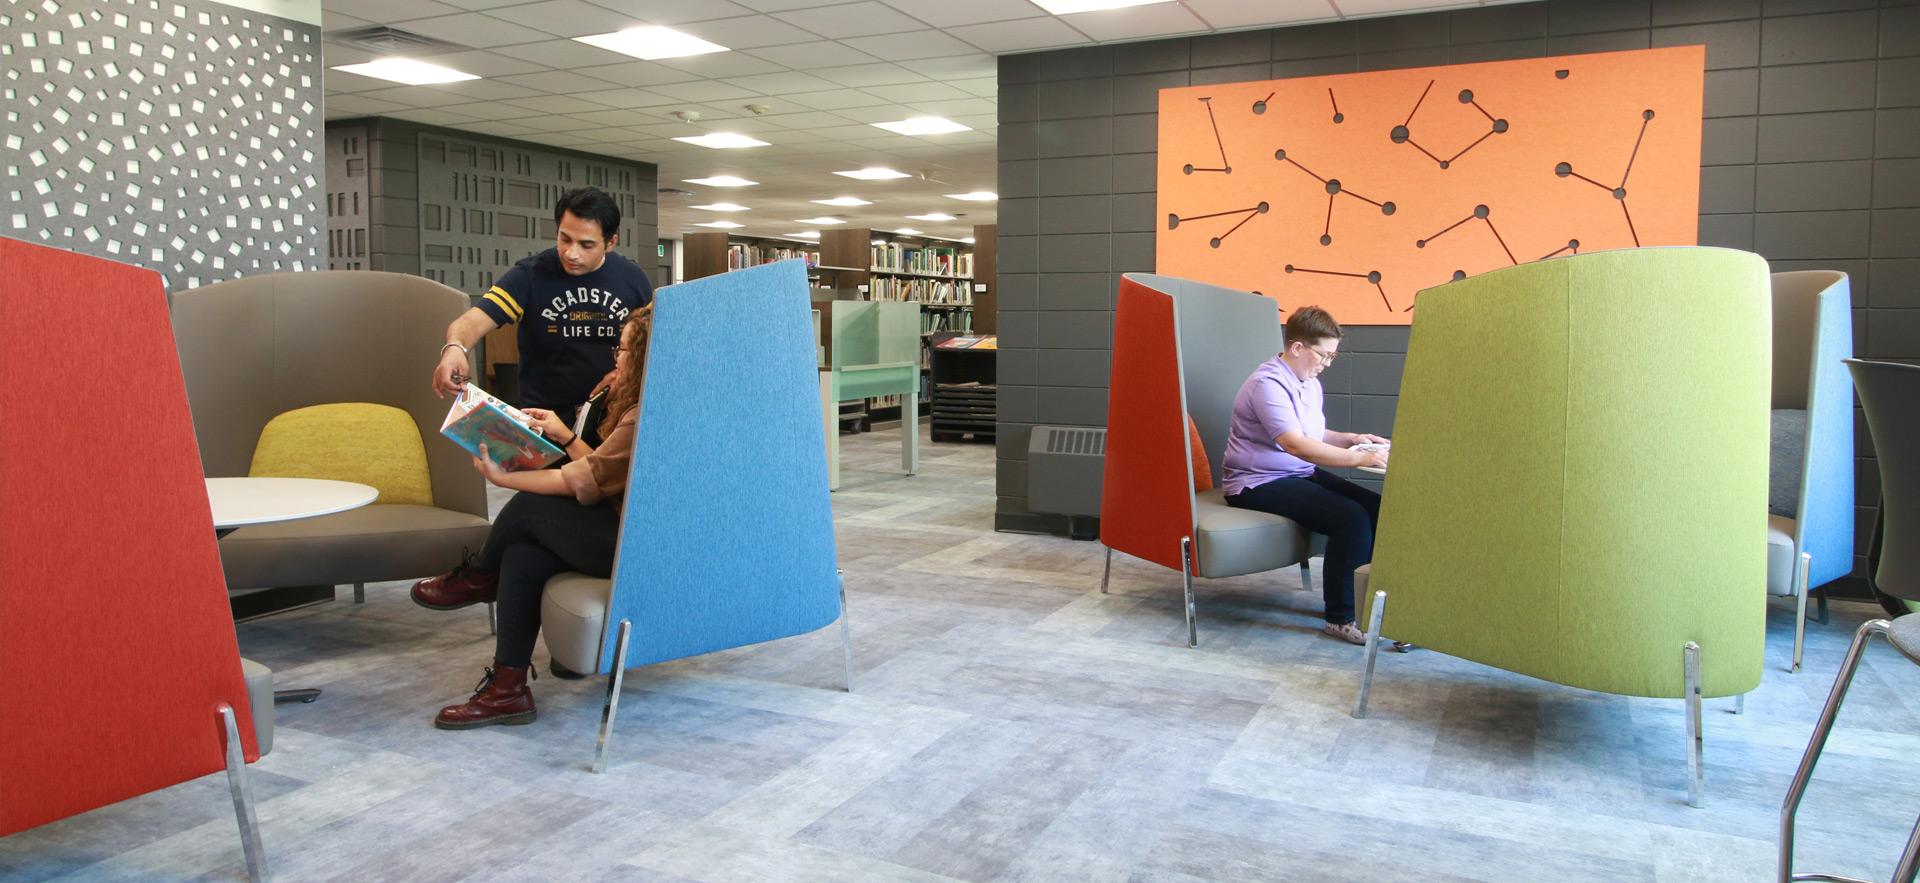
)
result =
(956, 107)
(560, 82)
(749, 32)
(487, 64)
(722, 64)
(959, 67)
(636, 73)
(356, 104)
(473, 4)
(628, 98)
(566, 18)
(432, 116)
(797, 121)
(905, 92)
(1352, 8)
(807, 56)
(485, 90)
(561, 123)
(862, 75)
(386, 11)
(499, 128)
(620, 117)
(910, 45)
(988, 87)
(563, 54)
(334, 21)
(1019, 36)
(879, 113)
(1247, 13)
(836, 99)
(491, 110)
(849, 134)
(702, 90)
(782, 83)
(341, 81)
(674, 12)
(412, 96)
(336, 54)
(1136, 22)
(473, 29)
(851, 20)
(555, 104)
(781, 5)
(946, 13)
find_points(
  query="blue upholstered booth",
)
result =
(727, 537)
(1810, 505)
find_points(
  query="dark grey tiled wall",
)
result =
(1811, 157)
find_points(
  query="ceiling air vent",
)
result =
(391, 41)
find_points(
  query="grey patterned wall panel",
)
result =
(182, 136)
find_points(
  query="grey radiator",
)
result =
(1063, 470)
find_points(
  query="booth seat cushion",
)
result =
(1235, 542)
(376, 445)
(572, 614)
(369, 544)
(259, 680)
(1779, 555)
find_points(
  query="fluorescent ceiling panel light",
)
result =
(822, 221)
(874, 173)
(721, 181)
(408, 71)
(724, 225)
(720, 207)
(844, 201)
(806, 234)
(652, 42)
(975, 196)
(932, 216)
(968, 240)
(722, 140)
(923, 126)
(1068, 7)
(906, 231)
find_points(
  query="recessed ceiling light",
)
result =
(1067, 7)
(724, 225)
(931, 216)
(408, 71)
(844, 201)
(722, 181)
(822, 221)
(720, 207)
(968, 240)
(975, 196)
(923, 126)
(906, 231)
(805, 234)
(722, 140)
(874, 173)
(652, 42)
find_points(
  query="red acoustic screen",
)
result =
(1146, 496)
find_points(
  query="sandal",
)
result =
(1352, 634)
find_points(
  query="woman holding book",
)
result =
(564, 519)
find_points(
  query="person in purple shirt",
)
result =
(1280, 448)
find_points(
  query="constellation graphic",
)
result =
(1371, 276)
(1480, 213)
(1403, 133)
(1174, 220)
(1260, 107)
(1619, 192)
(1225, 167)
(1334, 190)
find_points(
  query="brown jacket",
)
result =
(603, 473)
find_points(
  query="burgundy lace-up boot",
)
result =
(501, 697)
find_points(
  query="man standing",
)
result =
(569, 302)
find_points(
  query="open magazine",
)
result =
(508, 432)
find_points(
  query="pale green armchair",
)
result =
(1579, 477)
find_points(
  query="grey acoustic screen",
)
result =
(182, 136)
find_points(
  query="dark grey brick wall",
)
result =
(1811, 157)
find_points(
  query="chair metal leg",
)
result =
(1818, 743)
(1107, 573)
(359, 593)
(303, 694)
(1820, 595)
(846, 637)
(612, 707)
(1740, 704)
(1800, 606)
(493, 620)
(1306, 576)
(241, 787)
(1373, 652)
(1691, 660)
(1909, 865)
(1186, 579)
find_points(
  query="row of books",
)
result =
(936, 260)
(926, 291)
(742, 255)
(946, 320)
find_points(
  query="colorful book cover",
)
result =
(477, 418)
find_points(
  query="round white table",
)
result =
(242, 502)
(1377, 470)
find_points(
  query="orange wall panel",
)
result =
(1356, 191)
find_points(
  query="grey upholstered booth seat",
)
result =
(573, 613)
(1780, 571)
(259, 680)
(1232, 542)
(257, 347)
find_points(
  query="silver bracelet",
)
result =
(463, 348)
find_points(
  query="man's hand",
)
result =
(450, 376)
(604, 383)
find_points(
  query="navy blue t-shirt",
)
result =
(569, 325)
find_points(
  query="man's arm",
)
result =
(1320, 453)
(462, 334)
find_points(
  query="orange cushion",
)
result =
(1202, 467)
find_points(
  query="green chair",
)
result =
(1579, 482)
(874, 351)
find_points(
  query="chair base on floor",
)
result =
(304, 694)
(240, 786)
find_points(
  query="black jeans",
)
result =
(535, 537)
(1325, 504)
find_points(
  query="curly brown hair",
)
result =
(634, 336)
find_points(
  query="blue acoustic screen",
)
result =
(727, 537)
(1826, 498)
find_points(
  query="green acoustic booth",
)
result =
(1579, 477)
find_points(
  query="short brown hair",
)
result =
(1309, 324)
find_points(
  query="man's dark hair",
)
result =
(1310, 325)
(591, 204)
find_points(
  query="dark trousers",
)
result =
(1325, 504)
(535, 537)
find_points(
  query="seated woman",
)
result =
(1278, 445)
(562, 519)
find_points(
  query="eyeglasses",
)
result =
(1325, 357)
